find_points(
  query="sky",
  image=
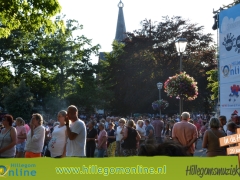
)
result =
(99, 17)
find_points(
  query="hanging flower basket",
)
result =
(160, 104)
(181, 86)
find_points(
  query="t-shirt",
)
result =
(119, 136)
(91, 134)
(58, 141)
(148, 128)
(111, 133)
(101, 135)
(158, 127)
(141, 131)
(20, 131)
(27, 128)
(77, 146)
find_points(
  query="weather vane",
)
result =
(120, 4)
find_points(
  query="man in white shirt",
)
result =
(76, 131)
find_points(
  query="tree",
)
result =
(6, 78)
(52, 65)
(107, 77)
(213, 83)
(19, 101)
(149, 56)
(28, 15)
(67, 60)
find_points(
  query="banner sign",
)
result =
(229, 140)
(229, 60)
(127, 168)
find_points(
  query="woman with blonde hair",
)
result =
(211, 139)
(35, 137)
(57, 144)
(130, 139)
(21, 137)
(119, 135)
(141, 130)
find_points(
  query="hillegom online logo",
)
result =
(3, 170)
(231, 42)
(231, 69)
(16, 170)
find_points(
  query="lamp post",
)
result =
(159, 86)
(181, 44)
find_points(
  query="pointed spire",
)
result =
(121, 28)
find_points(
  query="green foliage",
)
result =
(19, 101)
(6, 78)
(106, 76)
(213, 83)
(149, 56)
(28, 16)
(52, 65)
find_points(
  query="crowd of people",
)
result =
(70, 136)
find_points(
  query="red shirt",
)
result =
(198, 126)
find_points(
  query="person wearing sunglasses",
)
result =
(8, 138)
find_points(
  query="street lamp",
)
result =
(181, 44)
(159, 86)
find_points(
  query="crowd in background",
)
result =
(73, 135)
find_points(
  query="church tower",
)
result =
(120, 30)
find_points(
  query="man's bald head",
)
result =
(72, 113)
(72, 108)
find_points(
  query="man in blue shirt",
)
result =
(150, 133)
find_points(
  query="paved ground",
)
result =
(200, 152)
